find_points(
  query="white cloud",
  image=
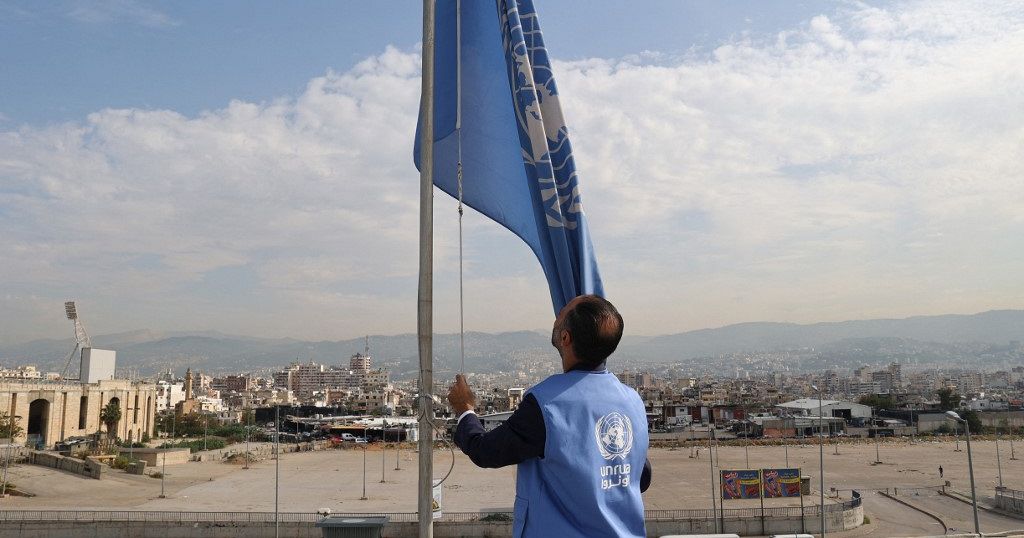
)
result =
(866, 163)
(105, 11)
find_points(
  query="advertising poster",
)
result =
(741, 484)
(781, 483)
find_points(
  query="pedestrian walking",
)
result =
(940, 471)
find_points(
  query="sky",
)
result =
(246, 167)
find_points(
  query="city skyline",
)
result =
(840, 161)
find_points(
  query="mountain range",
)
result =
(152, 351)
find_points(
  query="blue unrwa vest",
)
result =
(588, 482)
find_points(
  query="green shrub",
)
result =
(120, 462)
(212, 443)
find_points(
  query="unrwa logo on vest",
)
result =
(614, 434)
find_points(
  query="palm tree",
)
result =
(110, 415)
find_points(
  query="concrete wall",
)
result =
(260, 450)
(834, 521)
(87, 468)
(154, 457)
(1010, 501)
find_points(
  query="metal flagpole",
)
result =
(425, 299)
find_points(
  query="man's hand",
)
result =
(460, 396)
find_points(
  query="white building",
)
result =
(168, 395)
(808, 407)
(21, 372)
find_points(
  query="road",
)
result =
(958, 515)
(890, 518)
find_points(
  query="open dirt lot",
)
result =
(334, 479)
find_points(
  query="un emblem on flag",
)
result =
(614, 434)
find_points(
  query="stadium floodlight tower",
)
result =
(82, 340)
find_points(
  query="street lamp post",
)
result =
(999, 461)
(1009, 429)
(874, 427)
(970, 467)
(206, 429)
(277, 468)
(691, 439)
(7, 462)
(746, 439)
(711, 462)
(248, 433)
(398, 450)
(383, 448)
(821, 459)
(163, 473)
(365, 442)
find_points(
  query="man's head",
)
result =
(587, 331)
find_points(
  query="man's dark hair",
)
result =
(596, 328)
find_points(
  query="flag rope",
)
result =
(458, 168)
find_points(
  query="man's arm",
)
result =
(519, 438)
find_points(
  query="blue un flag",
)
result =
(495, 96)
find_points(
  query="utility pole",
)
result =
(248, 433)
(711, 462)
(277, 469)
(398, 450)
(363, 498)
(163, 474)
(970, 467)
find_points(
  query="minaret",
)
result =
(188, 384)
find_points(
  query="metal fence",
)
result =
(395, 517)
(1011, 493)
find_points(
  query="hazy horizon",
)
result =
(543, 331)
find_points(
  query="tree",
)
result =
(973, 420)
(9, 427)
(948, 399)
(878, 401)
(110, 415)
(247, 416)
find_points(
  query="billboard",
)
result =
(781, 483)
(741, 484)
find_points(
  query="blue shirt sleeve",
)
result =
(518, 439)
